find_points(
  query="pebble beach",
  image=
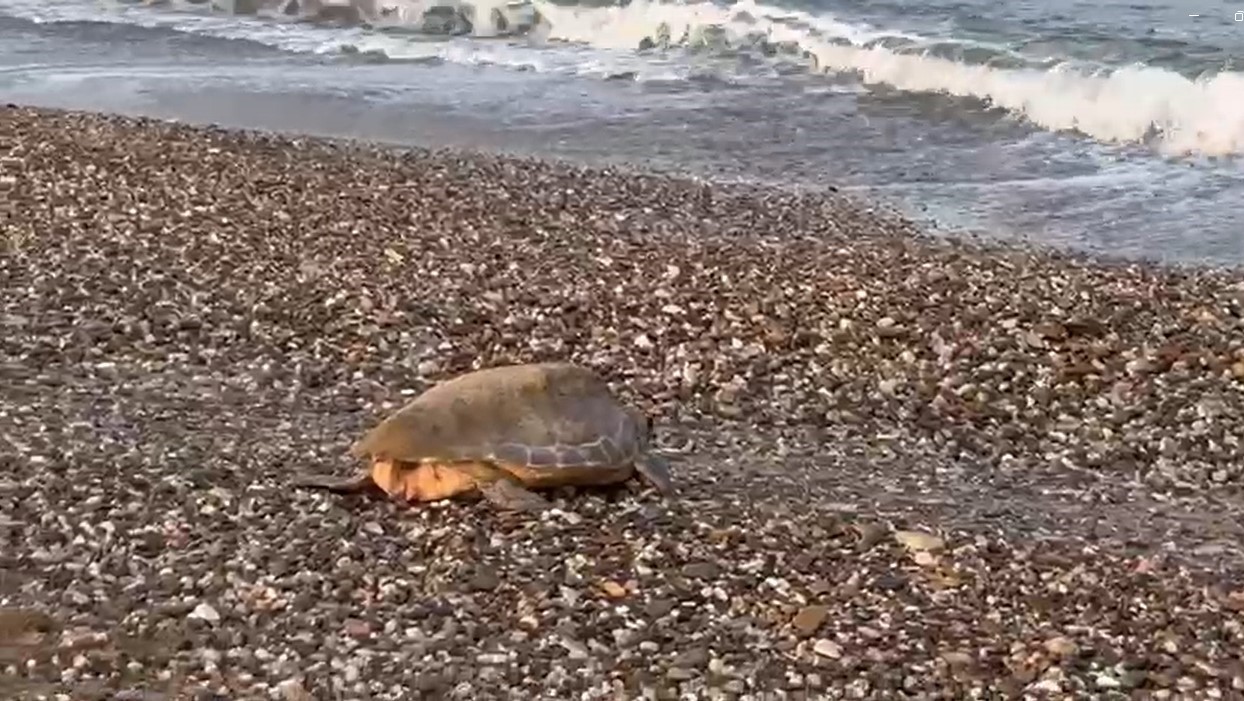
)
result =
(908, 467)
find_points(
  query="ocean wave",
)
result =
(1175, 114)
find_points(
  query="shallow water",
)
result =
(1114, 127)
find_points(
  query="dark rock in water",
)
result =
(515, 19)
(340, 14)
(368, 56)
(333, 13)
(242, 7)
(449, 21)
(712, 37)
(789, 47)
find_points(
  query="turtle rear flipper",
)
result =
(509, 494)
(655, 470)
(354, 484)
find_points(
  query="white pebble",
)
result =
(827, 648)
(1105, 681)
(204, 612)
(1048, 685)
(575, 649)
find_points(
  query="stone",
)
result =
(205, 612)
(658, 608)
(1047, 685)
(827, 648)
(1106, 681)
(693, 658)
(1061, 646)
(484, 580)
(679, 674)
(890, 582)
(700, 570)
(870, 534)
(957, 658)
(293, 690)
(613, 590)
(917, 541)
(809, 619)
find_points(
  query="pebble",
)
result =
(484, 581)
(957, 658)
(1106, 681)
(613, 589)
(809, 619)
(1050, 686)
(700, 570)
(293, 690)
(574, 649)
(657, 608)
(680, 674)
(692, 659)
(827, 648)
(205, 612)
(917, 541)
(1061, 646)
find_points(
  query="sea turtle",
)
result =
(502, 432)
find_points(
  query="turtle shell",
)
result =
(539, 416)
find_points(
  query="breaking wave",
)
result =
(1137, 103)
(1173, 113)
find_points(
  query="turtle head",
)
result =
(645, 429)
(653, 467)
(655, 470)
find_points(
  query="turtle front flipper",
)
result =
(655, 469)
(341, 485)
(507, 493)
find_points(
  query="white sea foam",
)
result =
(1121, 104)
